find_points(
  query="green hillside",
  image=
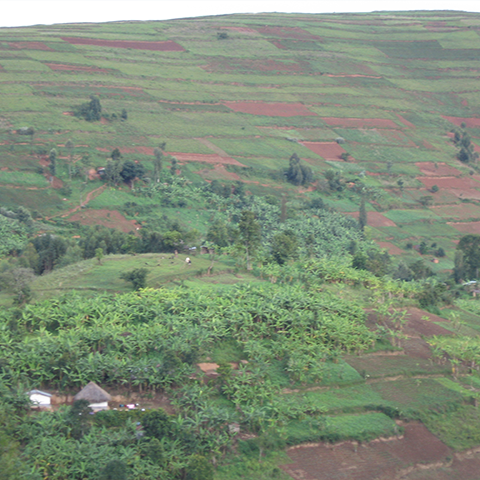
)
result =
(244, 229)
(234, 96)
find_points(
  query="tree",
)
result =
(298, 173)
(249, 235)
(362, 217)
(70, 147)
(284, 246)
(157, 163)
(99, 255)
(131, 170)
(116, 154)
(90, 111)
(173, 168)
(137, 276)
(459, 269)
(52, 157)
(156, 423)
(199, 468)
(469, 245)
(78, 419)
(124, 114)
(218, 233)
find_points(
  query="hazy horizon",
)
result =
(19, 13)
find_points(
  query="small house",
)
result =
(40, 399)
(97, 397)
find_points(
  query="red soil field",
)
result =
(450, 183)
(405, 121)
(392, 249)
(219, 172)
(374, 460)
(107, 218)
(288, 32)
(166, 46)
(76, 68)
(469, 122)
(466, 193)
(271, 109)
(416, 325)
(469, 227)
(344, 75)
(203, 158)
(476, 147)
(327, 150)
(375, 219)
(460, 212)
(30, 46)
(360, 122)
(123, 150)
(440, 170)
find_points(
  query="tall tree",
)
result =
(157, 163)
(362, 217)
(70, 147)
(52, 157)
(298, 173)
(469, 245)
(249, 235)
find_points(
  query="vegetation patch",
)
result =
(167, 46)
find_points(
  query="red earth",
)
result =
(392, 249)
(219, 172)
(271, 109)
(108, 218)
(375, 219)
(460, 212)
(203, 158)
(450, 183)
(417, 323)
(468, 227)
(438, 170)
(327, 150)
(469, 122)
(288, 32)
(378, 459)
(30, 46)
(360, 122)
(166, 46)
(76, 68)
(405, 121)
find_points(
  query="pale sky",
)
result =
(35, 12)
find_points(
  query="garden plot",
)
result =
(468, 227)
(165, 46)
(464, 211)
(374, 460)
(271, 109)
(247, 66)
(30, 46)
(327, 150)
(375, 219)
(360, 122)
(432, 169)
(391, 248)
(469, 122)
(107, 218)
(450, 183)
(288, 32)
(76, 68)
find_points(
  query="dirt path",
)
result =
(214, 148)
(90, 196)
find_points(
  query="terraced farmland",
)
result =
(248, 91)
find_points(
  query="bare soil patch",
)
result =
(107, 218)
(30, 46)
(76, 68)
(375, 219)
(375, 460)
(360, 122)
(165, 46)
(469, 122)
(219, 172)
(327, 150)
(450, 183)
(460, 212)
(418, 324)
(204, 158)
(437, 170)
(468, 227)
(405, 121)
(271, 109)
(392, 249)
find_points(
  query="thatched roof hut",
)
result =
(97, 396)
